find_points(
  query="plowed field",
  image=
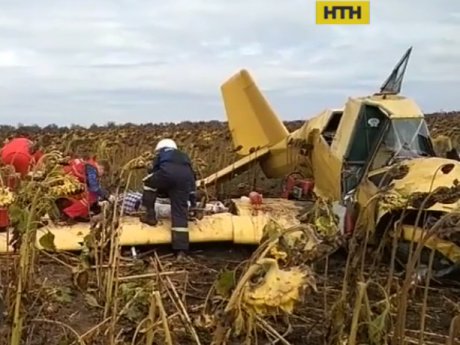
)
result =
(60, 312)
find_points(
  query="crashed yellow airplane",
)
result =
(373, 158)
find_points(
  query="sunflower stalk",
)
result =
(33, 203)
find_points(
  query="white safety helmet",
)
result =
(163, 143)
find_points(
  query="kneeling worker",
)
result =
(21, 153)
(172, 174)
(87, 172)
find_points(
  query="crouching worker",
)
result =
(87, 172)
(22, 154)
(172, 175)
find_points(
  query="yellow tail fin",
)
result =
(252, 122)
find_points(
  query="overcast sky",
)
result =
(94, 61)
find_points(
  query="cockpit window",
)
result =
(404, 139)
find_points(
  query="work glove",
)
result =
(36, 175)
(94, 220)
(103, 203)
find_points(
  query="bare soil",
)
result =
(54, 300)
(57, 308)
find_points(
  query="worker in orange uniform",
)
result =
(87, 172)
(22, 154)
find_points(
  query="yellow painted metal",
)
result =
(244, 228)
(395, 106)
(244, 106)
(425, 174)
(253, 124)
(448, 249)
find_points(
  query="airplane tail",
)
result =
(252, 122)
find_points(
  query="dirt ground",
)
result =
(57, 307)
(55, 300)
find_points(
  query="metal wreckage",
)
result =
(373, 160)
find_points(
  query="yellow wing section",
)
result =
(252, 122)
(244, 228)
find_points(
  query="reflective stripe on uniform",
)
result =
(150, 189)
(84, 202)
(180, 238)
(147, 177)
(180, 229)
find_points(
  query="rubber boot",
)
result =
(181, 256)
(149, 217)
(148, 200)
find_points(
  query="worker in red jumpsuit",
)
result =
(22, 154)
(89, 173)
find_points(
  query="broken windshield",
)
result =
(404, 139)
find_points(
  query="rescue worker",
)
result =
(22, 154)
(172, 175)
(87, 172)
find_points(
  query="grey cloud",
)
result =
(98, 61)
